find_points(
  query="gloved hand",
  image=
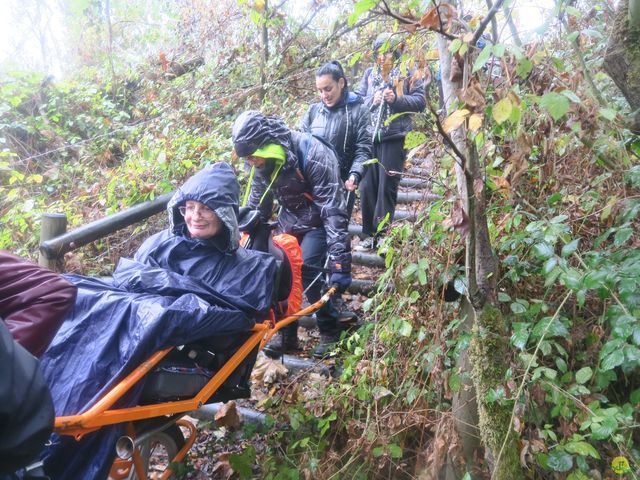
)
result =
(341, 280)
(352, 182)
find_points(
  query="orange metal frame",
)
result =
(100, 414)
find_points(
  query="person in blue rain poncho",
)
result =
(185, 283)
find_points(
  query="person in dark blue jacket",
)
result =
(387, 91)
(344, 121)
(186, 283)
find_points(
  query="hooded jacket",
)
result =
(307, 185)
(410, 97)
(176, 291)
(347, 127)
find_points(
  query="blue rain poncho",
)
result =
(176, 290)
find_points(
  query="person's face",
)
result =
(330, 91)
(202, 222)
(265, 165)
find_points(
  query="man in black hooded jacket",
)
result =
(301, 171)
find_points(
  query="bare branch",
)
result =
(485, 21)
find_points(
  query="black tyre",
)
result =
(160, 448)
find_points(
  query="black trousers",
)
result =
(314, 254)
(378, 189)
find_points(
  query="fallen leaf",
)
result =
(501, 182)
(228, 416)
(223, 467)
(267, 371)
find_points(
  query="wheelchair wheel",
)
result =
(160, 448)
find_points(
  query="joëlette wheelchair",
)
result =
(182, 379)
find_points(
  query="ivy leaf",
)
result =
(559, 461)
(520, 334)
(584, 375)
(582, 448)
(518, 308)
(503, 297)
(517, 51)
(557, 105)
(502, 110)
(378, 451)
(498, 50)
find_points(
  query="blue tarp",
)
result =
(176, 290)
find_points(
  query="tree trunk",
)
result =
(487, 354)
(265, 51)
(622, 58)
(465, 409)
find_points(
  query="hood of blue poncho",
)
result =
(216, 187)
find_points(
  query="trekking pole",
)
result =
(378, 120)
(323, 270)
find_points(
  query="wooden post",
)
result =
(51, 225)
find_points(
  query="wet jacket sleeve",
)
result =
(26, 408)
(33, 301)
(258, 187)
(307, 120)
(364, 145)
(363, 89)
(413, 98)
(328, 196)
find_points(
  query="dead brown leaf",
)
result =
(434, 15)
(222, 467)
(458, 220)
(267, 371)
(473, 95)
(228, 416)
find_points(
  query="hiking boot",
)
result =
(366, 245)
(344, 314)
(285, 341)
(326, 345)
